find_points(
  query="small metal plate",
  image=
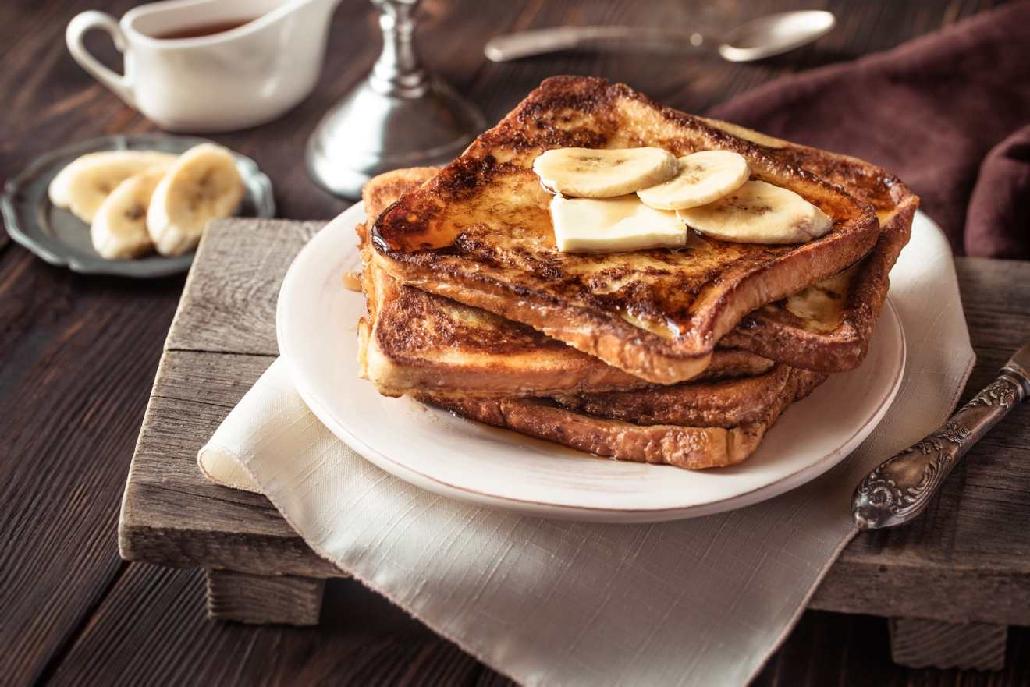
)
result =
(61, 238)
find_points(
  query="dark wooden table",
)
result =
(79, 355)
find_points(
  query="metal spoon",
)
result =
(754, 40)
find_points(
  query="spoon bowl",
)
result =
(775, 34)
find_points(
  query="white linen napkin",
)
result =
(702, 601)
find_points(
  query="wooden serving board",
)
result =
(952, 581)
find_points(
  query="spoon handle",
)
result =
(514, 46)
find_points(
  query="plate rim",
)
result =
(354, 214)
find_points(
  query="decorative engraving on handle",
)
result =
(900, 487)
(1000, 392)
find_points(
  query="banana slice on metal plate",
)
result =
(119, 228)
(201, 186)
(84, 183)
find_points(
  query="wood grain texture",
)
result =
(160, 520)
(932, 644)
(72, 391)
(152, 629)
(78, 354)
(263, 599)
(363, 639)
(228, 309)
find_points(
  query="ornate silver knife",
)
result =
(899, 489)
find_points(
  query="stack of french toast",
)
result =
(624, 278)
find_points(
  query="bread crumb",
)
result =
(352, 280)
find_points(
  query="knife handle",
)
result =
(899, 489)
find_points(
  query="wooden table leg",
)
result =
(932, 644)
(263, 599)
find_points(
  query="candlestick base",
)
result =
(369, 133)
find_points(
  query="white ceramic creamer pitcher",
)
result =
(230, 79)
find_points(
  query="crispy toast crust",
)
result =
(455, 347)
(479, 233)
(721, 403)
(690, 447)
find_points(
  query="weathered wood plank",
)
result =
(931, 644)
(229, 301)
(882, 587)
(263, 599)
(170, 513)
(872, 576)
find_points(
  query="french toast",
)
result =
(479, 233)
(415, 340)
(692, 447)
(827, 326)
(429, 342)
(437, 349)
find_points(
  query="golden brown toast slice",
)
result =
(692, 447)
(479, 232)
(827, 326)
(719, 403)
(414, 340)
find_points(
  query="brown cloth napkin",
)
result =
(948, 113)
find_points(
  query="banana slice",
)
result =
(202, 185)
(759, 212)
(588, 173)
(821, 305)
(119, 228)
(609, 225)
(704, 177)
(83, 184)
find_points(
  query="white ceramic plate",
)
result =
(316, 325)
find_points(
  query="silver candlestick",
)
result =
(400, 116)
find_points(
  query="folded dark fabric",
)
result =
(998, 221)
(932, 111)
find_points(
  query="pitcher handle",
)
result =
(77, 28)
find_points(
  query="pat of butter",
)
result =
(610, 225)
